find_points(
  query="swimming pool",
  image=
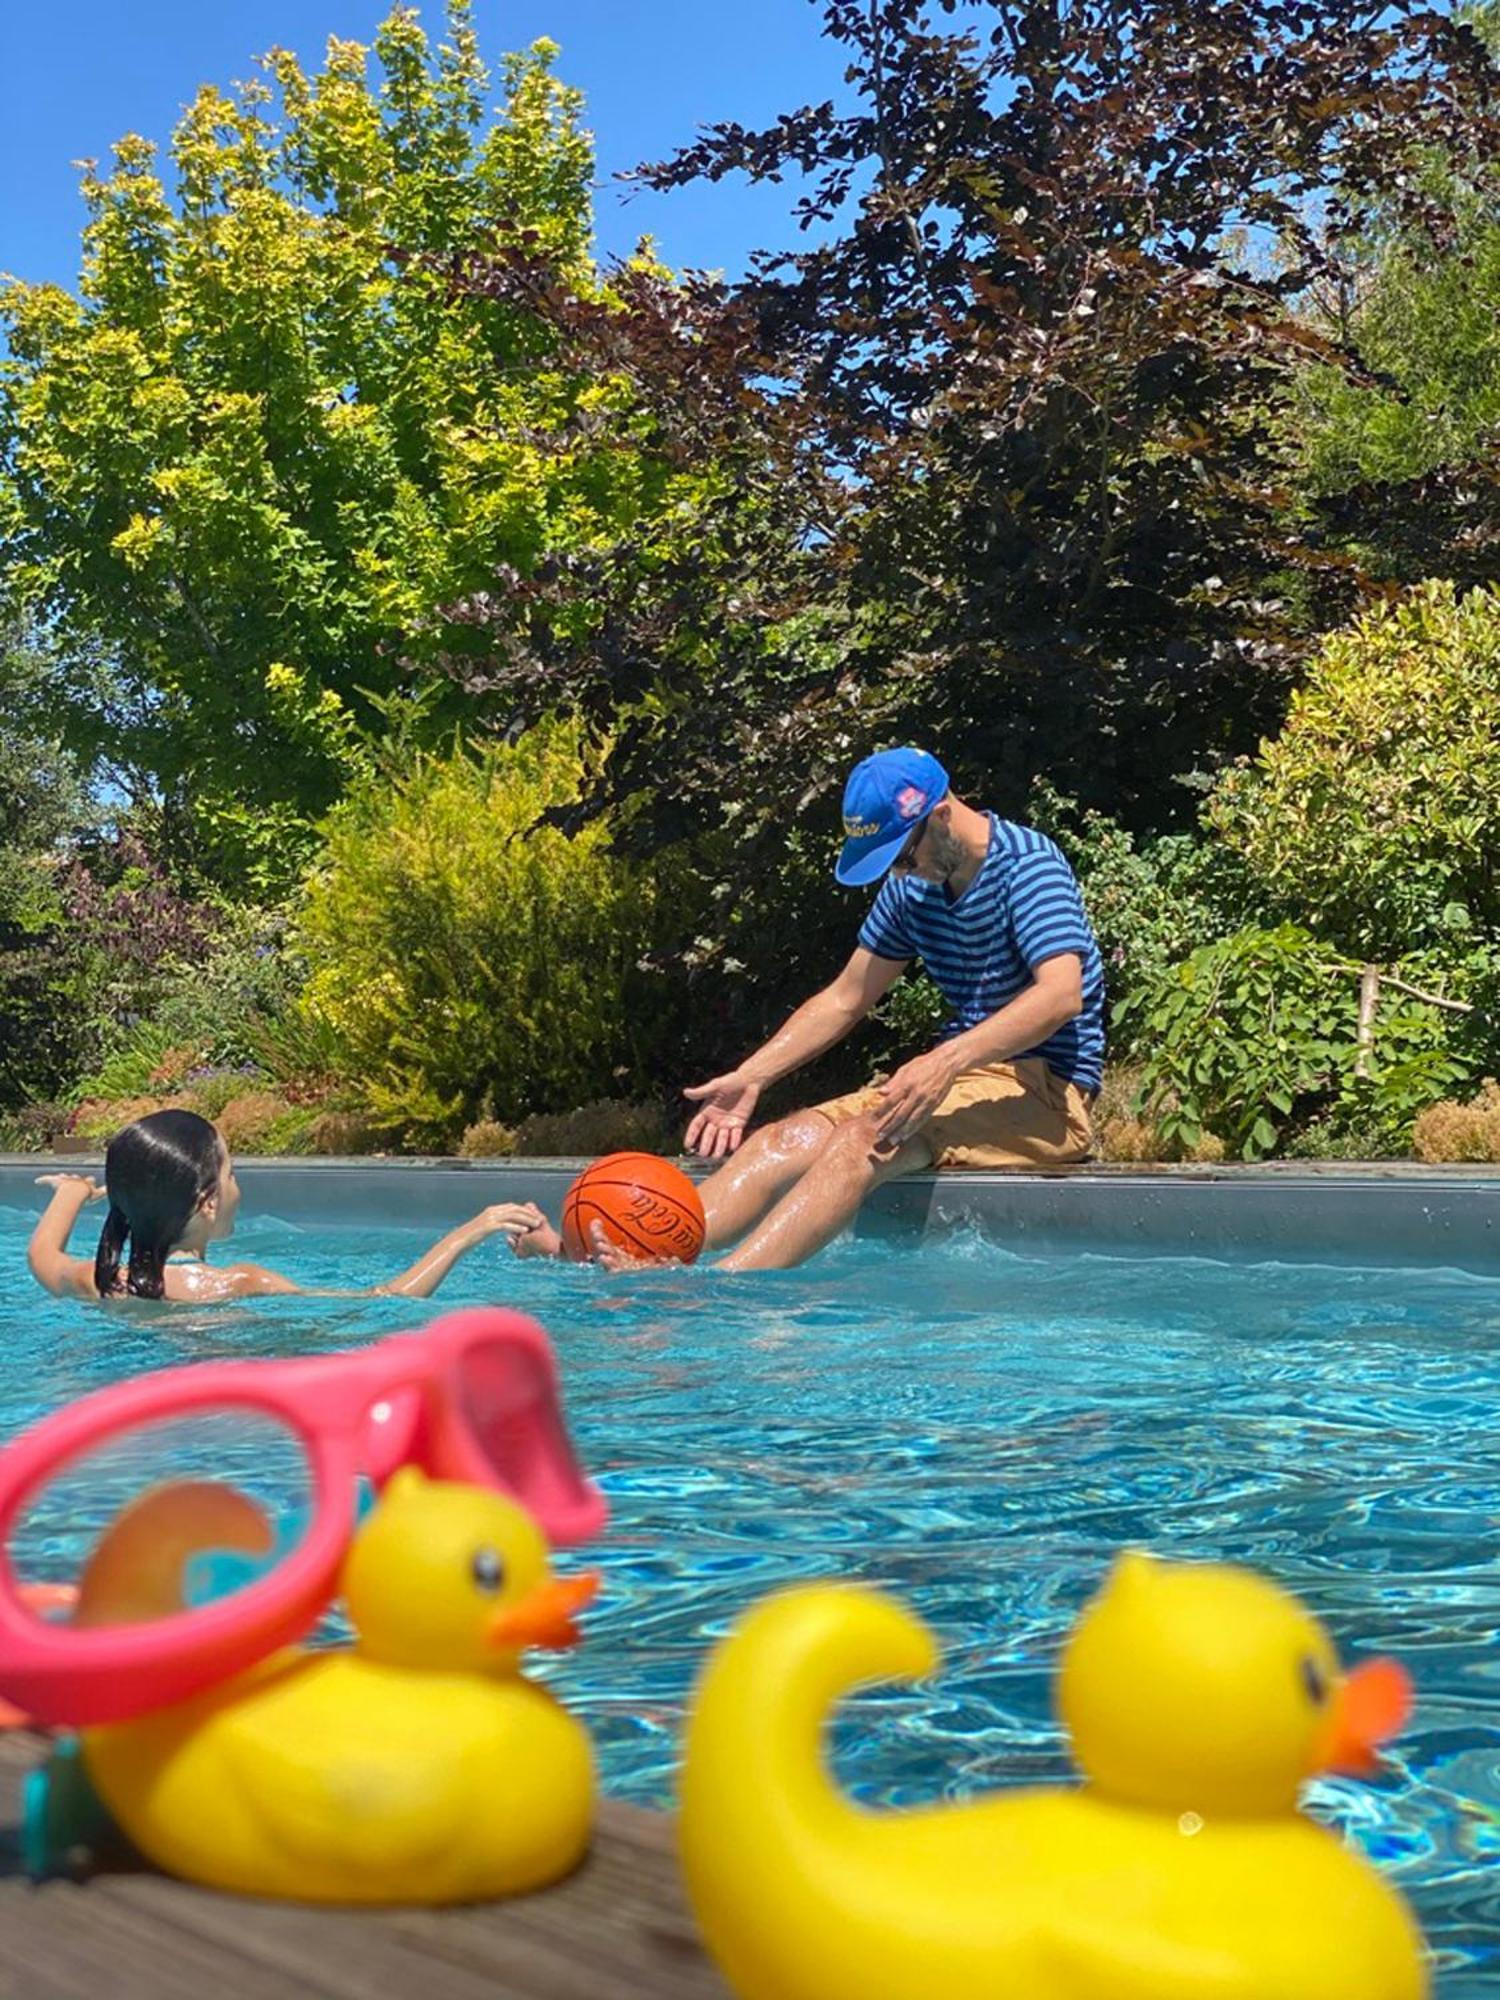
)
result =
(980, 1431)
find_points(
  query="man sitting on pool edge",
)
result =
(994, 912)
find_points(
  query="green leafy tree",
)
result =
(1401, 460)
(268, 438)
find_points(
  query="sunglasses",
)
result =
(906, 860)
(472, 1397)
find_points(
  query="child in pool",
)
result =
(171, 1191)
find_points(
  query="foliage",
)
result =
(465, 960)
(46, 1029)
(1255, 1037)
(609, 1125)
(1375, 815)
(1461, 1131)
(1020, 389)
(1403, 465)
(487, 1139)
(1151, 901)
(43, 792)
(269, 437)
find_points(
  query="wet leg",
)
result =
(825, 1197)
(752, 1179)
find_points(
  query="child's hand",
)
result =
(538, 1238)
(509, 1218)
(86, 1182)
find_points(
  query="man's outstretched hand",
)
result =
(727, 1104)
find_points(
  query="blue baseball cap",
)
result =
(884, 799)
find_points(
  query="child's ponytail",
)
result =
(107, 1257)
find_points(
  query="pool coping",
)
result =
(1394, 1213)
(618, 1928)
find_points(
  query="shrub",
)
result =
(1374, 817)
(1256, 1037)
(1125, 1131)
(101, 1118)
(249, 1122)
(465, 954)
(1465, 1132)
(33, 1128)
(487, 1139)
(1151, 903)
(342, 1133)
(610, 1125)
(208, 1090)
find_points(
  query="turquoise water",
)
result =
(980, 1432)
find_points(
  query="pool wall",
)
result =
(1379, 1215)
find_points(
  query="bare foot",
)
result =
(612, 1258)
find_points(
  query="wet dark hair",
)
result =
(156, 1172)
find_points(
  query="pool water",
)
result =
(980, 1432)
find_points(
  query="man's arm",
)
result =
(727, 1102)
(1053, 998)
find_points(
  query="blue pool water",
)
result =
(980, 1432)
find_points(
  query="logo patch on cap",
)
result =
(911, 802)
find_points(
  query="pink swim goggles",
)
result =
(472, 1397)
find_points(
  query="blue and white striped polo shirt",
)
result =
(1022, 907)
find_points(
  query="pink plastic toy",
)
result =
(473, 1397)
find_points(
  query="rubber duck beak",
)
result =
(1370, 1707)
(544, 1617)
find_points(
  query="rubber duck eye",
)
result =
(487, 1570)
(1315, 1686)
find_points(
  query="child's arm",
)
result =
(515, 1219)
(47, 1252)
(420, 1280)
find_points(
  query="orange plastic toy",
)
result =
(644, 1204)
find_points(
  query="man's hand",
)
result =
(88, 1188)
(909, 1098)
(728, 1104)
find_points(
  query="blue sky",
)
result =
(75, 74)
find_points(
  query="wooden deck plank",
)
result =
(617, 1930)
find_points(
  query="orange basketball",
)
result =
(647, 1206)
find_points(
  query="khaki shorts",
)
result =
(1012, 1114)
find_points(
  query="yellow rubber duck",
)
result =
(417, 1767)
(1198, 1700)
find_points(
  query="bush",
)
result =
(468, 959)
(101, 1118)
(608, 1126)
(487, 1140)
(1374, 817)
(1461, 1132)
(260, 1121)
(1151, 903)
(342, 1134)
(1255, 1038)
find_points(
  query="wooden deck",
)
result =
(618, 1930)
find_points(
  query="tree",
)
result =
(268, 439)
(1402, 465)
(1037, 359)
